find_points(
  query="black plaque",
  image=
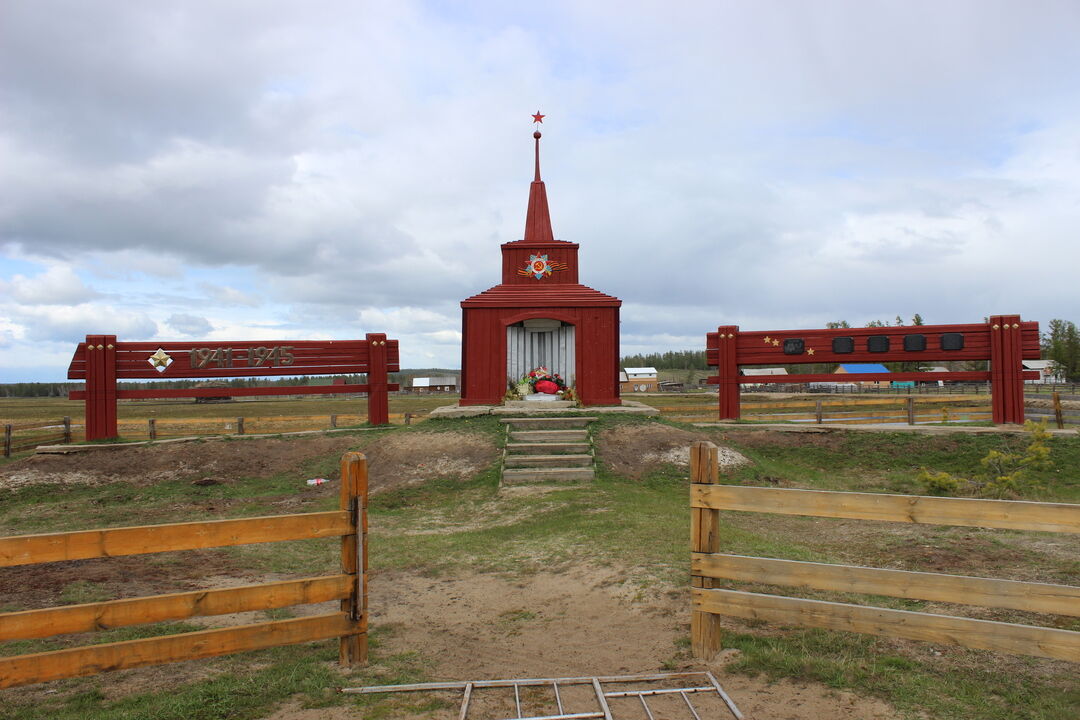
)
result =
(794, 346)
(914, 343)
(877, 343)
(843, 345)
(951, 342)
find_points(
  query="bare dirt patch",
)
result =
(219, 460)
(816, 438)
(396, 459)
(635, 451)
(585, 621)
(27, 587)
(1048, 403)
(411, 458)
(969, 554)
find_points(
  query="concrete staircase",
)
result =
(543, 449)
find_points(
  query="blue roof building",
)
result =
(862, 368)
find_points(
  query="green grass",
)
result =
(640, 527)
(242, 687)
(135, 632)
(890, 461)
(951, 687)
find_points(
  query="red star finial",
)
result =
(538, 118)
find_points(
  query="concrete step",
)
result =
(539, 405)
(547, 461)
(514, 476)
(537, 448)
(556, 436)
(541, 423)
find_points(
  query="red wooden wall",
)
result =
(483, 351)
(515, 257)
(1005, 341)
(101, 361)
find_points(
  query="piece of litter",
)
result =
(317, 481)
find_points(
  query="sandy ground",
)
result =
(635, 451)
(581, 622)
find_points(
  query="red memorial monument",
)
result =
(101, 361)
(540, 315)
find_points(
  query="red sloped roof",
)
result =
(545, 296)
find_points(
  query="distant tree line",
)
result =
(1061, 346)
(670, 360)
(37, 390)
(60, 389)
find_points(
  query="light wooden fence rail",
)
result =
(823, 411)
(709, 565)
(349, 586)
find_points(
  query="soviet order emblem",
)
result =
(539, 267)
(159, 360)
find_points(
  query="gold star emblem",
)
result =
(160, 360)
(810, 351)
(775, 341)
(768, 340)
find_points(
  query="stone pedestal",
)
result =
(542, 397)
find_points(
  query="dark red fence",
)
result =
(1005, 341)
(101, 361)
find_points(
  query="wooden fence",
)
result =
(901, 410)
(23, 437)
(349, 586)
(161, 428)
(709, 565)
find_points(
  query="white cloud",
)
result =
(225, 295)
(57, 285)
(71, 323)
(341, 168)
(190, 325)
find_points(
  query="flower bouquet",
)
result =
(542, 380)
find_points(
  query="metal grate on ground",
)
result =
(564, 699)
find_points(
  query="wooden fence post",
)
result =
(7, 440)
(1006, 370)
(1058, 417)
(378, 402)
(100, 387)
(239, 426)
(151, 428)
(817, 411)
(727, 368)
(354, 556)
(704, 538)
(911, 411)
(67, 429)
(333, 421)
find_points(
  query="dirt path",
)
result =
(584, 621)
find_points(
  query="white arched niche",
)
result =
(540, 342)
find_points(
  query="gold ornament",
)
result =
(160, 360)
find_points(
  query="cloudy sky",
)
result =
(284, 170)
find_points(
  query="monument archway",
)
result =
(537, 342)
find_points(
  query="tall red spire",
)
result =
(538, 219)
